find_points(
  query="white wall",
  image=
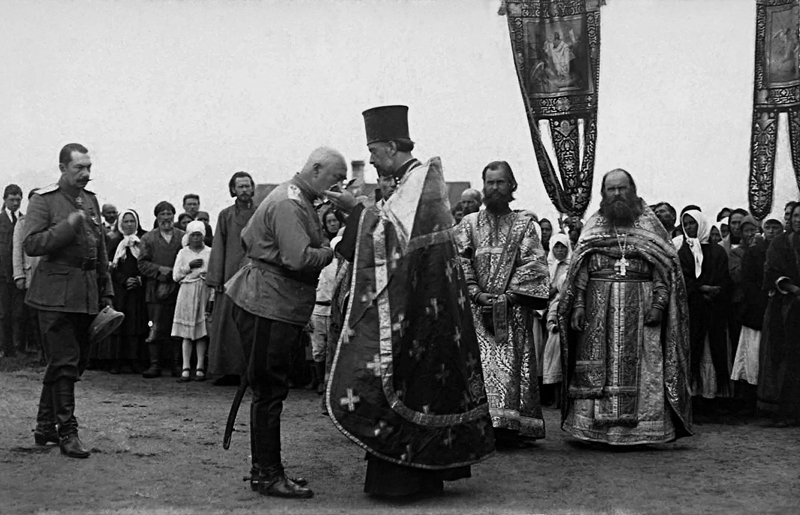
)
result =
(174, 96)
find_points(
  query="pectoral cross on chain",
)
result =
(622, 266)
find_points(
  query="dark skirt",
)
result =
(128, 341)
(392, 480)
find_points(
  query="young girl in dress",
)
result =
(189, 322)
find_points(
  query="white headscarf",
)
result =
(193, 226)
(129, 241)
(703, 232)
(553, 263)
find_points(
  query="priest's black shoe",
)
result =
(71, 446)
(281, 486)
(45, 436)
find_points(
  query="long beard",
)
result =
(497, 202)
(621, 210)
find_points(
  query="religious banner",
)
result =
(776, 90)
(556, 47)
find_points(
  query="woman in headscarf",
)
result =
(128, 340)
(753, 307)
(715, 236)
(708, 285)
(779, 355)
(558, 262)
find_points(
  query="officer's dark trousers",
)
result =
(271, 344)
(12, 321)
(66, 342)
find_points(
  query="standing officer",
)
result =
(274, 295)
(70, 285)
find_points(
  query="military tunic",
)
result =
(71, 277)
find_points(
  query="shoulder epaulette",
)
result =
(47, 189)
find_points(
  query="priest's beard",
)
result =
(621, 210)
(497, 202)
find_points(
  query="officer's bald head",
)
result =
(324, 168)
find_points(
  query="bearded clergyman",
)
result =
(625, 316)
(507, 277)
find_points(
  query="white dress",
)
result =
(745, 365)
(190, 308)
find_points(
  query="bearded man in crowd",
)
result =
(507, 277)
(624, 321)
(227, 257)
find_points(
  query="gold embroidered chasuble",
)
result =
(626, 382)
(499, 255)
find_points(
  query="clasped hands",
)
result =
(488, 299)
(578, 322)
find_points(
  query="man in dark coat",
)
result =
(159, 248)
(11, 313)
(227, 256)
(69, 287)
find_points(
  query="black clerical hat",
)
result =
(386, 123)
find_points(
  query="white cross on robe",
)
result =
(350, 401)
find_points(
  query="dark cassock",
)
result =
(705, 265)
(779, 355)
(226, 356)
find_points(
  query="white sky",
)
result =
(174, 96)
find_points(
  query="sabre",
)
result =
(237, 401)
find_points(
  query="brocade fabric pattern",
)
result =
(509, 364)
(625, 382)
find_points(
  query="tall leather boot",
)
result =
(155, 369)
(320, 367)
(177, 357)
(46, 431)
(64, 405)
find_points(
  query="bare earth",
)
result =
(157, 448)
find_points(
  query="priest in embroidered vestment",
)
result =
(406, 383)
(625, 316)
(507, 277)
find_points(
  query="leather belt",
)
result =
(284, 272)
(86, 264)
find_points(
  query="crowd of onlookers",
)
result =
(735, 269)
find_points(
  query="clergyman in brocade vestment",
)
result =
(406, 382)
(225, 355)
(625, 316)
(507, 277)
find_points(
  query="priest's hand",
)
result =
(654, 317)
(578, 319)
(343, 200)
(485, 299)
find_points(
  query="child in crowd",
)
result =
(558, 262)
(189, 323)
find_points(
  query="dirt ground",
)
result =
(157, 448)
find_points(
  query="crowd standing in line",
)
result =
(633, 322)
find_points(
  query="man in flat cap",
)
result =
(406, 381)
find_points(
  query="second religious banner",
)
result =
(556, 46)
(776, 89)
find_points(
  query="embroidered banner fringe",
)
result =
(556, 47)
